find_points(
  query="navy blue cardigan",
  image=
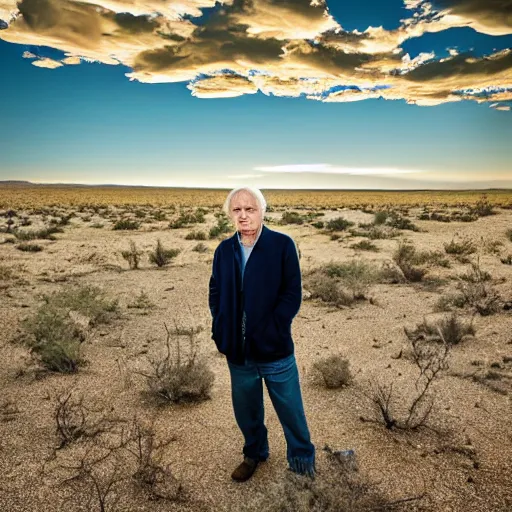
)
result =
(270, 296)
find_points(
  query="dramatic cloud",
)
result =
(287, 48)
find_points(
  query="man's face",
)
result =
(245, 212)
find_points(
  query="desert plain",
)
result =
(403, 341)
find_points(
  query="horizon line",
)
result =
(198, 187)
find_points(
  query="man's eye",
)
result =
(250, 210)
(236, 209)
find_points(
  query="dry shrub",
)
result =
(405, 258)
(341, 284)
(132, 256)
(475, 291)
(200, 247)
(29, 247)
(338, 488)
(75, 420)
(464, 247)
(54, 339)
(56, 330)
(365, 245)
(126, 225)
(179, 377)
(332, 371)
(390, 410)
(142, 301)
(450, 329)
(87, 300)
(161, 256)
(151, 474)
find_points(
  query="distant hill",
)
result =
(426, 186)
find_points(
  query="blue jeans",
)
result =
(282, 381)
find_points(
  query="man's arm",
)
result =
(290, 296)
(213, 294)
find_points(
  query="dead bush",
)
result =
(338, 488)
(179, 377)
(152, 475)
(74, 420)
(390, 410)
(132, 256)
(332, 371)
(161, 256)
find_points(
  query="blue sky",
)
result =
(272, 94)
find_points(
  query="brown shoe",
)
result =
(245, 470)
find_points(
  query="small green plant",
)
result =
(221, 227)
(126, 224)
(54, 339)
(161, 256)
(338, 224)
(319, 224)
(29, 247)
(380, 218)
(132, 256)
(332, 371)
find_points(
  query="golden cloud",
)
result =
(283, 48)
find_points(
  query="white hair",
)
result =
(255, 192)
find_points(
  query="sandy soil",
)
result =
(464, 462)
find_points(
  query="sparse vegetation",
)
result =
(196, 235)
(338, 224)
(29, 247)
(388, 409)
(40, 234)
(365, 245)
(142, 301)
(332, 371)
(221, 227)
(291, 218)
(463, 247)
(132, 256)
(179, 376)
(126, 225)
(200, 247)
(450, 329)
(405, 258)
(341, 284)
(161, 256)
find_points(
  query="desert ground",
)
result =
(425, 403)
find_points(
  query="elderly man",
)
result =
(255, 292)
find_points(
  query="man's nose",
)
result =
(243, 214)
